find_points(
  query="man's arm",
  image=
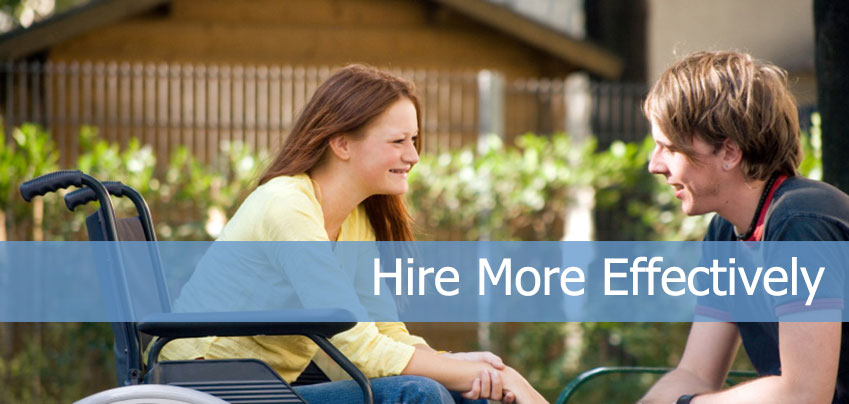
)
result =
(703, 367)
(810, 355)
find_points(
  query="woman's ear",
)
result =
(340, 146)
(731, 154)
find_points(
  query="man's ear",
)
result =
(340, 146)
(731, 154)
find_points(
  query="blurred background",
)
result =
(532, 131)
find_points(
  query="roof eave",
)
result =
(583, 54)
(23, 42)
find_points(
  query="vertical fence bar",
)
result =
(262, 108)
(187, 109)
(444, 111)
(149, 104)
(111, 101)
(21, 70)
(274, 109)
(491, 104)
(10, 99)
(80, 103)
(85, 95)
(458, 96)
(250, 99)
(225, 101)
(161, 133)
(137, 95)
(200, 127)
(98, 100)
(298, 90)
(49, 108)
(175, 121)
(238, 106)
(74, 101)
(287, 100)
(125, 104)
(471, 106)
(213, 115)
(37, 79)
(311, 79)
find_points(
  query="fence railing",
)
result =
(167, 105)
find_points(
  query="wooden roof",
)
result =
(21, 43)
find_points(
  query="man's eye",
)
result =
(666, 148)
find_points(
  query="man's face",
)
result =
(696, 181)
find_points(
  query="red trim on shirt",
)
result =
(759, 228)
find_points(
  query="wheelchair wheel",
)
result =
(151, 394)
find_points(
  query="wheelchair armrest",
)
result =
(317, 324)
(321, 322)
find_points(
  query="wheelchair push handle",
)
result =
(63, 179)
(52, 182)
(85, 195)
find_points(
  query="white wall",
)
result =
(781, 31)
(564, 15)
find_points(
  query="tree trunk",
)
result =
(831, 19)
(37, 219)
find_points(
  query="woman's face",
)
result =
(386, 151)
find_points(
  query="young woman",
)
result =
(339, 177)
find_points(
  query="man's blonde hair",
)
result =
(729, 95)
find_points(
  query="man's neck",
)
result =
(742, 204)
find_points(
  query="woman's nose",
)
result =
(411, 155)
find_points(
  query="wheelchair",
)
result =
(234, 381)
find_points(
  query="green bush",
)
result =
(62, 362)
(523, 192)
(519, 192)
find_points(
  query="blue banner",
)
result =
(426, 281)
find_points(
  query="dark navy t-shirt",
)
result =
(801, 210)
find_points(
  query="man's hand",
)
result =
(711, 347)
(489, 385)
(523, 392)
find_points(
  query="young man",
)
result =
(727, 140)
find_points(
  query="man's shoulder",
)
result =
(808, 203)
(803, 196)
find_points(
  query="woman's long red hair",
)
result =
(345, 103)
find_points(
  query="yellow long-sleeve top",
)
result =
(286, 209)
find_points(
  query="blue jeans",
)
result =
(387, 390)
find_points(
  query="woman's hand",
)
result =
(522, 391)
